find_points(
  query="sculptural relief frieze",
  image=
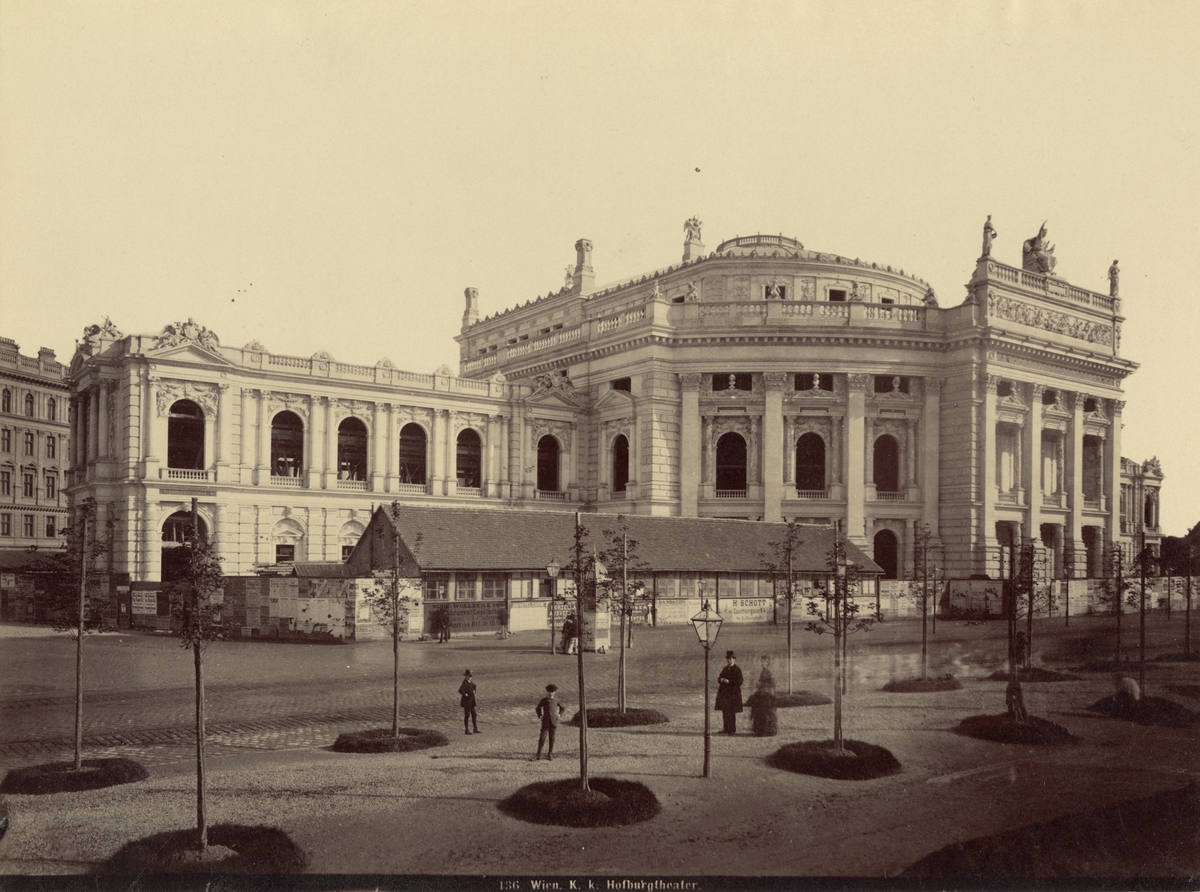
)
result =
(1013, 310)
(560, 430)
(189, 332)
(291, 402)
(169, 390)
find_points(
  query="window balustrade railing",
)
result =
(812, 493)
(547, 495)
(185, 474)
(353, 485)
(413, 489)
(891, 496)
(476, 491)
(730, 493)
(293, 482)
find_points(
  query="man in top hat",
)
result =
(729, 692)
(466, 699)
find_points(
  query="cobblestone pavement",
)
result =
(139, 696)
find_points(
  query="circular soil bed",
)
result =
(857, 761)
(608, 803)
(1034, 674)
(1148, 711)
(232, 848)
(923, 685)
(61, 777)
(1002, 729)
(611, 717)
(1149, 837)
(800, 698)
(380, 740)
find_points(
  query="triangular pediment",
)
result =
(558, 398)
(616, 399)
(190, 353)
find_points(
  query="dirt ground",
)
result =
(434, 812)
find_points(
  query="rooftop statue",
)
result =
(93, 333)
(989, 235)
(1114, 275)
(692, 228)
(1037, 255)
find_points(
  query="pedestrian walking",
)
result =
(763, 719)
(466, 699)
(444, 629)
(729, 692)
(549, 711)
(570, 634)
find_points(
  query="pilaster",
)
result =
(225, 457)
(379, 447)
(1075, 477)
(930, 434)
(1031, 448)
(855, 455)
(1112, 472)
(772, 447)
(986, 493)
(689, 445)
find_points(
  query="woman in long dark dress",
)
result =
(763, 720)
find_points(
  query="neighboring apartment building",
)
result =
(34, 446)
(762, 380)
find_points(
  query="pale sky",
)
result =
(332, 175)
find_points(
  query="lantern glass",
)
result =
(708, 625)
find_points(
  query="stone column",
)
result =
(489, 471)
(224, 437)
(74, 416)
(151, 548)
(101, 417)
(154, 431)
(856, 457)
(1031, 477)
(987, 475)
(437, 446)
(503, 450)
(689, 445)
(393, 451)
(451, 447)
(329, 468)
(311, 444)
(1112, 474)
(930, 478)
(772, 448)
(94, 423)
(262, 472)
(248, 431)
(378, 447)
(1074, 480)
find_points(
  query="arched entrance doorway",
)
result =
(887, 553)
(176, 532)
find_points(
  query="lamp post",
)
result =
(552, 571)
(708, 626)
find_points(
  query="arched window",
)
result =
(51, 410)
(29, 404)
(887, 553)
(1093, 467)
(810, 462)
(547, 464)
(620, 463)
(287, 445)
(468, 466)
(176, 532)
(185, 436)
(6, 400)
(731, 463)
(1148, 513)
(887, 464)
(352, 450)
(412, 454)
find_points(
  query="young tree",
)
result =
(72, 579)
(841, 617)
(198, 614)
(625, 591)
(391, 602)
(1146, 563)
(926, 577)
(781, 564)
(584, 573)
(1115, 587)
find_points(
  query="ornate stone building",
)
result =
(34, 443)
(761, 380)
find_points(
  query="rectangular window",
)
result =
(5, 524)
(29, 443)
(495, 586)
(5, 440)
(625, 384)
(29, 529)
(737, 381)
(50, 446)
(163, 604)
(838, 294)
(27, 485)
(466, 587)
(436, 586)
(346, 549)
(891, 384)
(51, 529)
(5, 483)
(285, 553)
(51, 488)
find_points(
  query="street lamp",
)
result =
(708, 626)
(552, 571)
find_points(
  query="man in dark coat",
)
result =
(549, 711)
(729, 692)
(466, 699)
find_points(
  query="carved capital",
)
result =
(1037, 391)
(861, 383)
(1118, 406)
(691, 380)
(991, 383)
(774, 380)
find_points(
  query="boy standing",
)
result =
(549, 711)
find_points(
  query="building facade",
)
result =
(34, 446)
(761, 380)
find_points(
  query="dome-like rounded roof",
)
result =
(760, 244)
